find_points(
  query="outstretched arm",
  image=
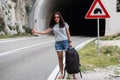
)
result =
(42, 32)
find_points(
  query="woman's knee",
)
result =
(60, 55)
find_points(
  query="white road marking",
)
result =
(9, 52)
(54, 74)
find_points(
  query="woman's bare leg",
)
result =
(60, 59)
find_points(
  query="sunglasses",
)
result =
(56, 17)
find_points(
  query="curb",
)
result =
(55, 72)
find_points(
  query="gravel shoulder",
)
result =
(110, 43)
(109, 73)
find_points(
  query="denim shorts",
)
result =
(61, 45)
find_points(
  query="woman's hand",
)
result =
(41, 32)
(33, 31)
(70, 44)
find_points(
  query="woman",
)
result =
(62, 37)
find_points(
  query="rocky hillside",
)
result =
(14, 15)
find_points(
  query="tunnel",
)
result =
(73, 12)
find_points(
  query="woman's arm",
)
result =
(42, 32)
(69, 37)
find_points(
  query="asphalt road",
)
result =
(29, 58)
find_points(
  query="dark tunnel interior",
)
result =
(74, 11)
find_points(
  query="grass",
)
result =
(16, 35)
(113, 37)
(28, 33)
(90, 59)
(117, 72)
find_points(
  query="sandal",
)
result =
(60, 76)
(74, 76)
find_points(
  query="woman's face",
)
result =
(57, 18)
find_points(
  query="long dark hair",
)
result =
(61, 23)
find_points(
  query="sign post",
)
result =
(98, 30)
(97, 11)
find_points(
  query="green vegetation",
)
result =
(14, 36)
(28, 33)
(28, 8)
(10, 27)
(113, 37)
(117, 72)
(27, 30)
(1, 28)
(110, 55)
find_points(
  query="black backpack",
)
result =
(72, 63)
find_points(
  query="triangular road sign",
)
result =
(97, 10)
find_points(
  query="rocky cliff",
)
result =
(14, 15)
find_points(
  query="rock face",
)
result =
(13, 16)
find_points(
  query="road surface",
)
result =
(29, 58)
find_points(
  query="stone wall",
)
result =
(13, 16)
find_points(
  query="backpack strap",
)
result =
(80, 74)
(64, 72)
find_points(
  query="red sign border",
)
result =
(88, 16)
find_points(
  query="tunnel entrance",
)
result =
(74, 14)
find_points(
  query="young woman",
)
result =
(62, 37)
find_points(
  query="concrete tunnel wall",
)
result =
(73, 13)
(113, 23)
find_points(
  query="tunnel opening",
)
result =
(74, 13)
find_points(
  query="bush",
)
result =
(110, 37)
(27, 30)
(110, 49)
(10, 27)
(27, 7)
(1, 28)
